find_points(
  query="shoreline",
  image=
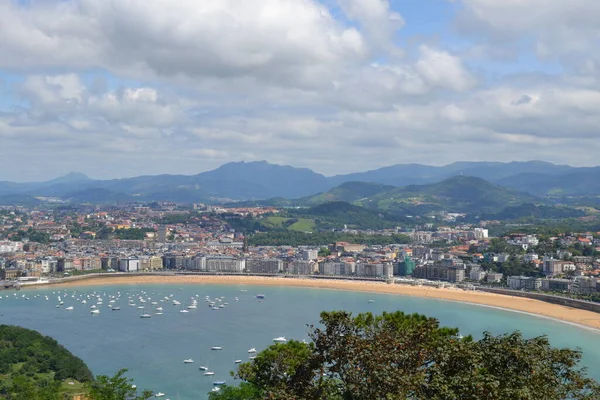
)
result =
(561, 313)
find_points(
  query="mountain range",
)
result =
(242, 181)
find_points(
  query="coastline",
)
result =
(587, 319)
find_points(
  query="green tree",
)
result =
(117, 387)
(397, 356)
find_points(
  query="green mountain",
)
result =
(456, 194)
(348, 192)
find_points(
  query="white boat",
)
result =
(158, 313)
(95, 311)
(159, 309)
(251, 358)
(252, 350)
(93, 307)
(159, 394)
(237, 361)
(216, 348)
(184, 311)
(70, 308)
(176, 303)
(371, 301)
(216, 389)
(203, 368)
(208, 373)
(280, 339)
(140, 307)
(192, 307)
(145, 316)
(188, 361)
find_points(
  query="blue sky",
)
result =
(117, 88)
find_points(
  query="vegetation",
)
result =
(117, 387)
(36, 367)
(32, 235)
(33, 366)
(322, 238)
(399, 356)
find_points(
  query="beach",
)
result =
(563, 313)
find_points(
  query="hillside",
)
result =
(254, 181)
(456, 194)
(348, 192)
(34, 366)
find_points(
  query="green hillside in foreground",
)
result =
(36, 366)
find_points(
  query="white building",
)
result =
(130, 264)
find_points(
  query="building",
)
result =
(369, 270)
(264, 266)
(524, 282)
(494, 277)
(405, 267)
(301, 267)
(225, 264)
(431, 271)
(456, 274)
(162, 234)
(129, 264)
(64, 265)
(476, 274)
(337, 268)
(585, 285)
(557, 285)
(10, 273)
(310, 254)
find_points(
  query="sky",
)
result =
(120, 88)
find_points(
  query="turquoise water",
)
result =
(153, 349)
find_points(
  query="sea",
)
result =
(153, 349)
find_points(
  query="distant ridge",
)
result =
(259, 180)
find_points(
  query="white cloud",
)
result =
(440, 68)
(377, 19)
(283, 41)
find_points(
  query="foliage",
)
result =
(321, 238)
(117, 387)
(32, 235)
(398, 356)
(132, 233)
(32, 365)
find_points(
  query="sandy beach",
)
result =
(563, 313)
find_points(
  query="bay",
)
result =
(153, 349)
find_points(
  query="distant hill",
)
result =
(257, 181)
(456, 194)
(348, 192)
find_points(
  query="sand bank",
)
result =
(563, 313)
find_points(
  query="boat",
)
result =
(140, 307)
(184, 311)
(252, 350)
(95, 311)
(192, 307)
(208, 373)
(159, 394)
(158, 313)
(93, 307)
(159, 309)
(216, 348)
(145, 316)
(116, 308)
(188, 361)
(237, 361)
(70, 308)
(251, 357)
(176, 303)
(217, 383)
(260, 296)
(215, 389)
(280, 339)
(203, 368)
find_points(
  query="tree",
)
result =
(117, 387)
(398, 356)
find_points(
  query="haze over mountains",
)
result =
(240, 181)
